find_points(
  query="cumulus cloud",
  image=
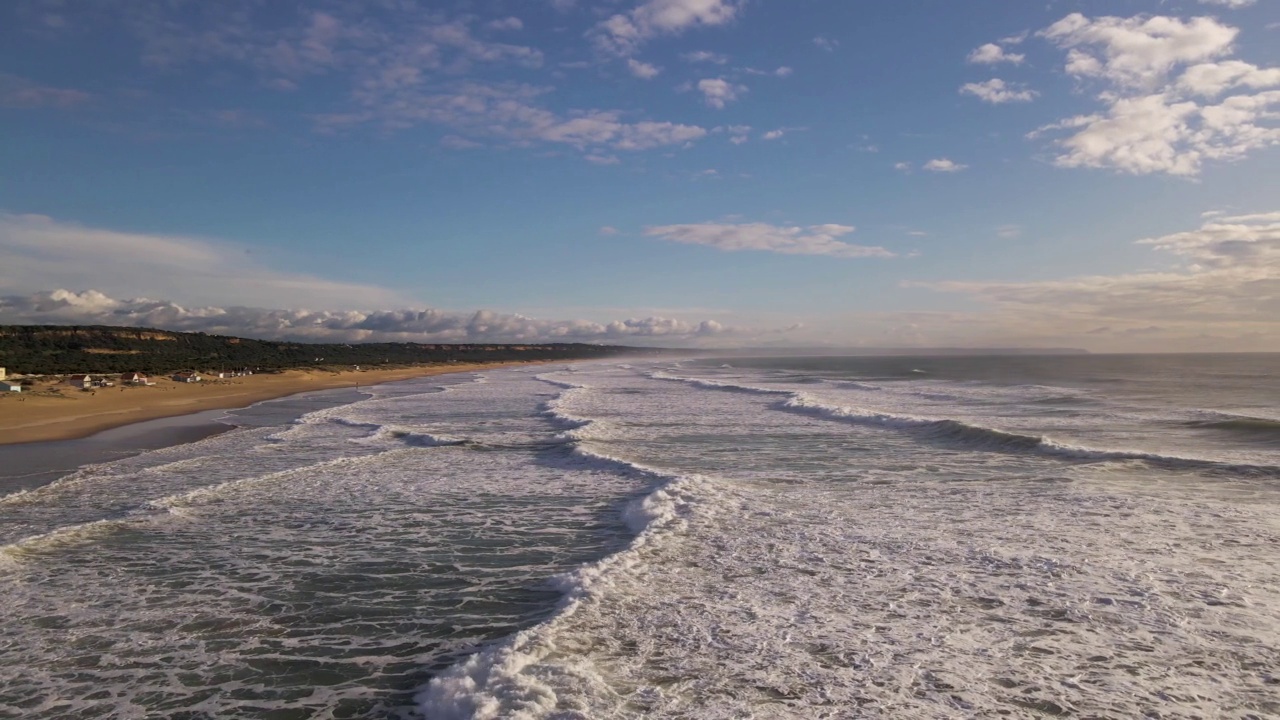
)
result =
(1228, 285)
(991, 53)
(738, 134)
(701, 56)
(624, 33)
(718, 92)
(1137, 51)
(506, 23)
(826, 43)
(782, 71)
(409, 325)
(40, 252)
(642, 70)
(997, 91)
(1172, 99)
(774, 134)
(812, 240)
(943, 165)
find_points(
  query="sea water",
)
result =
(767, 538)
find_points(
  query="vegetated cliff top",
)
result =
(58, 349)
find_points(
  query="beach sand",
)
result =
(41, 415)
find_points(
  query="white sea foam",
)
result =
(610, 543)
(913, 598)
(497, 682)
(968, 434)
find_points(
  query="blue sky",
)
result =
(679, 172)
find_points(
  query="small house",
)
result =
(186, 377)
(135, 378)
(9, 387)
(84, 382)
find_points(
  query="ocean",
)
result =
(958, 537)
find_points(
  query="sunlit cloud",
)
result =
(1172, 100)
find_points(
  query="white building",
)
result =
(9, 387)
(83, 382)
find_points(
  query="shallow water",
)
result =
(780, 538)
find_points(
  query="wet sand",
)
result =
(69, 413)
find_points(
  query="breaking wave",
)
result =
(978, 437)
(498, 681)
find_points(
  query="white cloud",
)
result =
(996, 91)
(904, 167)
(409, 325)
(718, 92)
(506, 23)
(826, 43)
(1162, 77)
(813, 240)
(1138, 51)
(1233, 4)
(642, 70)
(943, 165)
(782, 71)
(701, 56)
(608, 230)
(602, 159)
(1229, 286)
(1009, 232)
(738, 134)
(774, 134)
(507, 112)
(623, 34)
(40, 252)
(992, 53)
(1212, 79)
(405, 66)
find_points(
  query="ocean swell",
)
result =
(970, 436)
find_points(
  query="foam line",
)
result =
(495, 682)
(967, 434)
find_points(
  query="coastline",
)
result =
(29, 418)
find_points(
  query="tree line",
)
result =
(63, 349)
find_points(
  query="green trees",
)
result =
(58, 349)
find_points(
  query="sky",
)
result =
(707, 173)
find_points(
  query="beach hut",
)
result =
(84, 382)
(9, 387)
(186, 377)
(136, 378)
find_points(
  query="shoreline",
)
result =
(73, 415)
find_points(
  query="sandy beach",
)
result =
(69, 413)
